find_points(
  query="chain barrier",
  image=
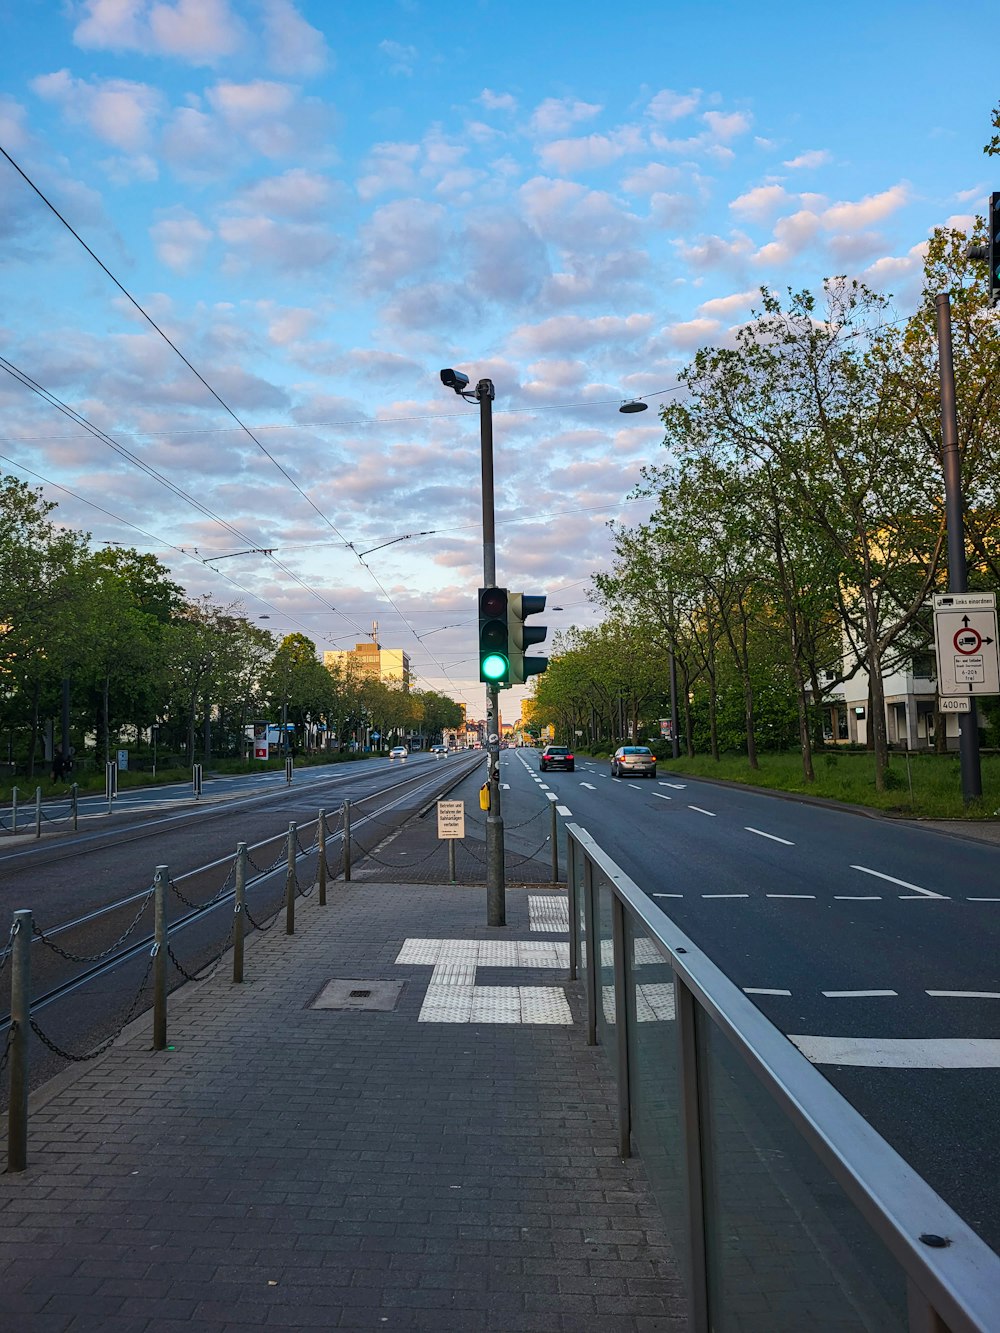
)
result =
(256, 924)
(266, 870)
(201, 975)
(99, 1050)
(15, 927)
(508, 828)
(96, 957)
(219, 894)
(10, 1042)
(394, 865)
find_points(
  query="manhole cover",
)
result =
(347, 994)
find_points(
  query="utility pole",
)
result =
(958, 576)
(496, 907)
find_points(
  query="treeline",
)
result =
(799, 527)
(137, 655)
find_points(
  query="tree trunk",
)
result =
(105, 718)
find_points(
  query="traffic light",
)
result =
(993, 224)
(520, 636)
(494, 661)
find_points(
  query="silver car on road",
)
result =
(633, 761)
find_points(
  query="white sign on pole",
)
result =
(951, 601)
(956, 703)
(451, 819)
(968, 659)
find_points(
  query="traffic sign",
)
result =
(951, 601)
(955, 703)
(965, 640)
(451, 819)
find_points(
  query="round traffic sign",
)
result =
(968, 641)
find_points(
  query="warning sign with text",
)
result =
(451, 819)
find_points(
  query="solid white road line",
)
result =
(965, 994)
(563, 810)
(903, 883)
(763, 990)
(774, 838)
(710, 813)
(662, 797)
(856, 994)
(902, 1052)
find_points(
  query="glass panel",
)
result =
(579, 856)
(656, 1118)
(787, 1249)
(606, 1026)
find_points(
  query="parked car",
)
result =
(633, 761)
(556, 756)
(398, 752)
(439, 751)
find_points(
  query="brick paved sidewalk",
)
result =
(286, 1166)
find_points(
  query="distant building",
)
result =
(389, 664)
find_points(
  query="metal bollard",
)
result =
(239, 910)
(38, 812)
(75, 804)
(288, 770)
(321, 839)
(290, 884)
(20, 1029)
(555, 844)
(196, 780)
(13, 810)
(161, 880)
(347, 841)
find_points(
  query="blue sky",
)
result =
(323, 204)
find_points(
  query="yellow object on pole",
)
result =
(484, 796)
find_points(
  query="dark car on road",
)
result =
(633, 761)
(556, 756)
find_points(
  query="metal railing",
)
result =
(786, 1208)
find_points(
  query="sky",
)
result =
(321, 205)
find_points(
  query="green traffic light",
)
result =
(494, 666)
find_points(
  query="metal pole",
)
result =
(13, 810)
(690, 1093)
(572, 908)
(75, 799)
(160, 879)
(347, 841)
(675, 740)
(958, 578)
(20, 1028)
(290, 884)
(619, 938)
(452, 875)
(321, 874)
(38, 812)
(107, 785)
(239, 910)
(65, 723)
(555, 843)
(593, 949)
(496, 907)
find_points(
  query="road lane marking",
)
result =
(790, 895)
(725, 895)
(677, 786)
(773, 836)
(903, 883)
(662, 797)
(964, 994)
(563, 810)
(635, 786)
(505, 786)
(856, 994)
(763, 990)
(550, 795)
(589, 785)
(902, 1052)
(710, 813)
(983, 900)
(666, 895)
(857, 897)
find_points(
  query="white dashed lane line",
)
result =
(662, 797)
(710, 813)
(791, 895)
(764, 990)
(677, 786)
(964, 994)
(856, 994)
(564, 810)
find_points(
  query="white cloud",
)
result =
(200, 31)
(669, 105)
(180, 240)
(117, 111)
(565, 333)
(691, 333)
(873, 208)
(296, 194)
(402, 59)
(673, 211)
(269, 116)
(761, 202)
(403, 240)
(792, 235)
(287, 246)
(391, 166)
(893, 267)
(12, 117)
(505, 259)
(725, 126)
(556, 115)
(592, 151)
(293, 47)
(813, 157)
(497, 101)
(726, 306)
(653, 177)
(569, 215)
(711, 252)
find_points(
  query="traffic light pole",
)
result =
(958, 575)
(496, 909)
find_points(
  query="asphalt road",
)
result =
(872, 943)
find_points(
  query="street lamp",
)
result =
(633, 405)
